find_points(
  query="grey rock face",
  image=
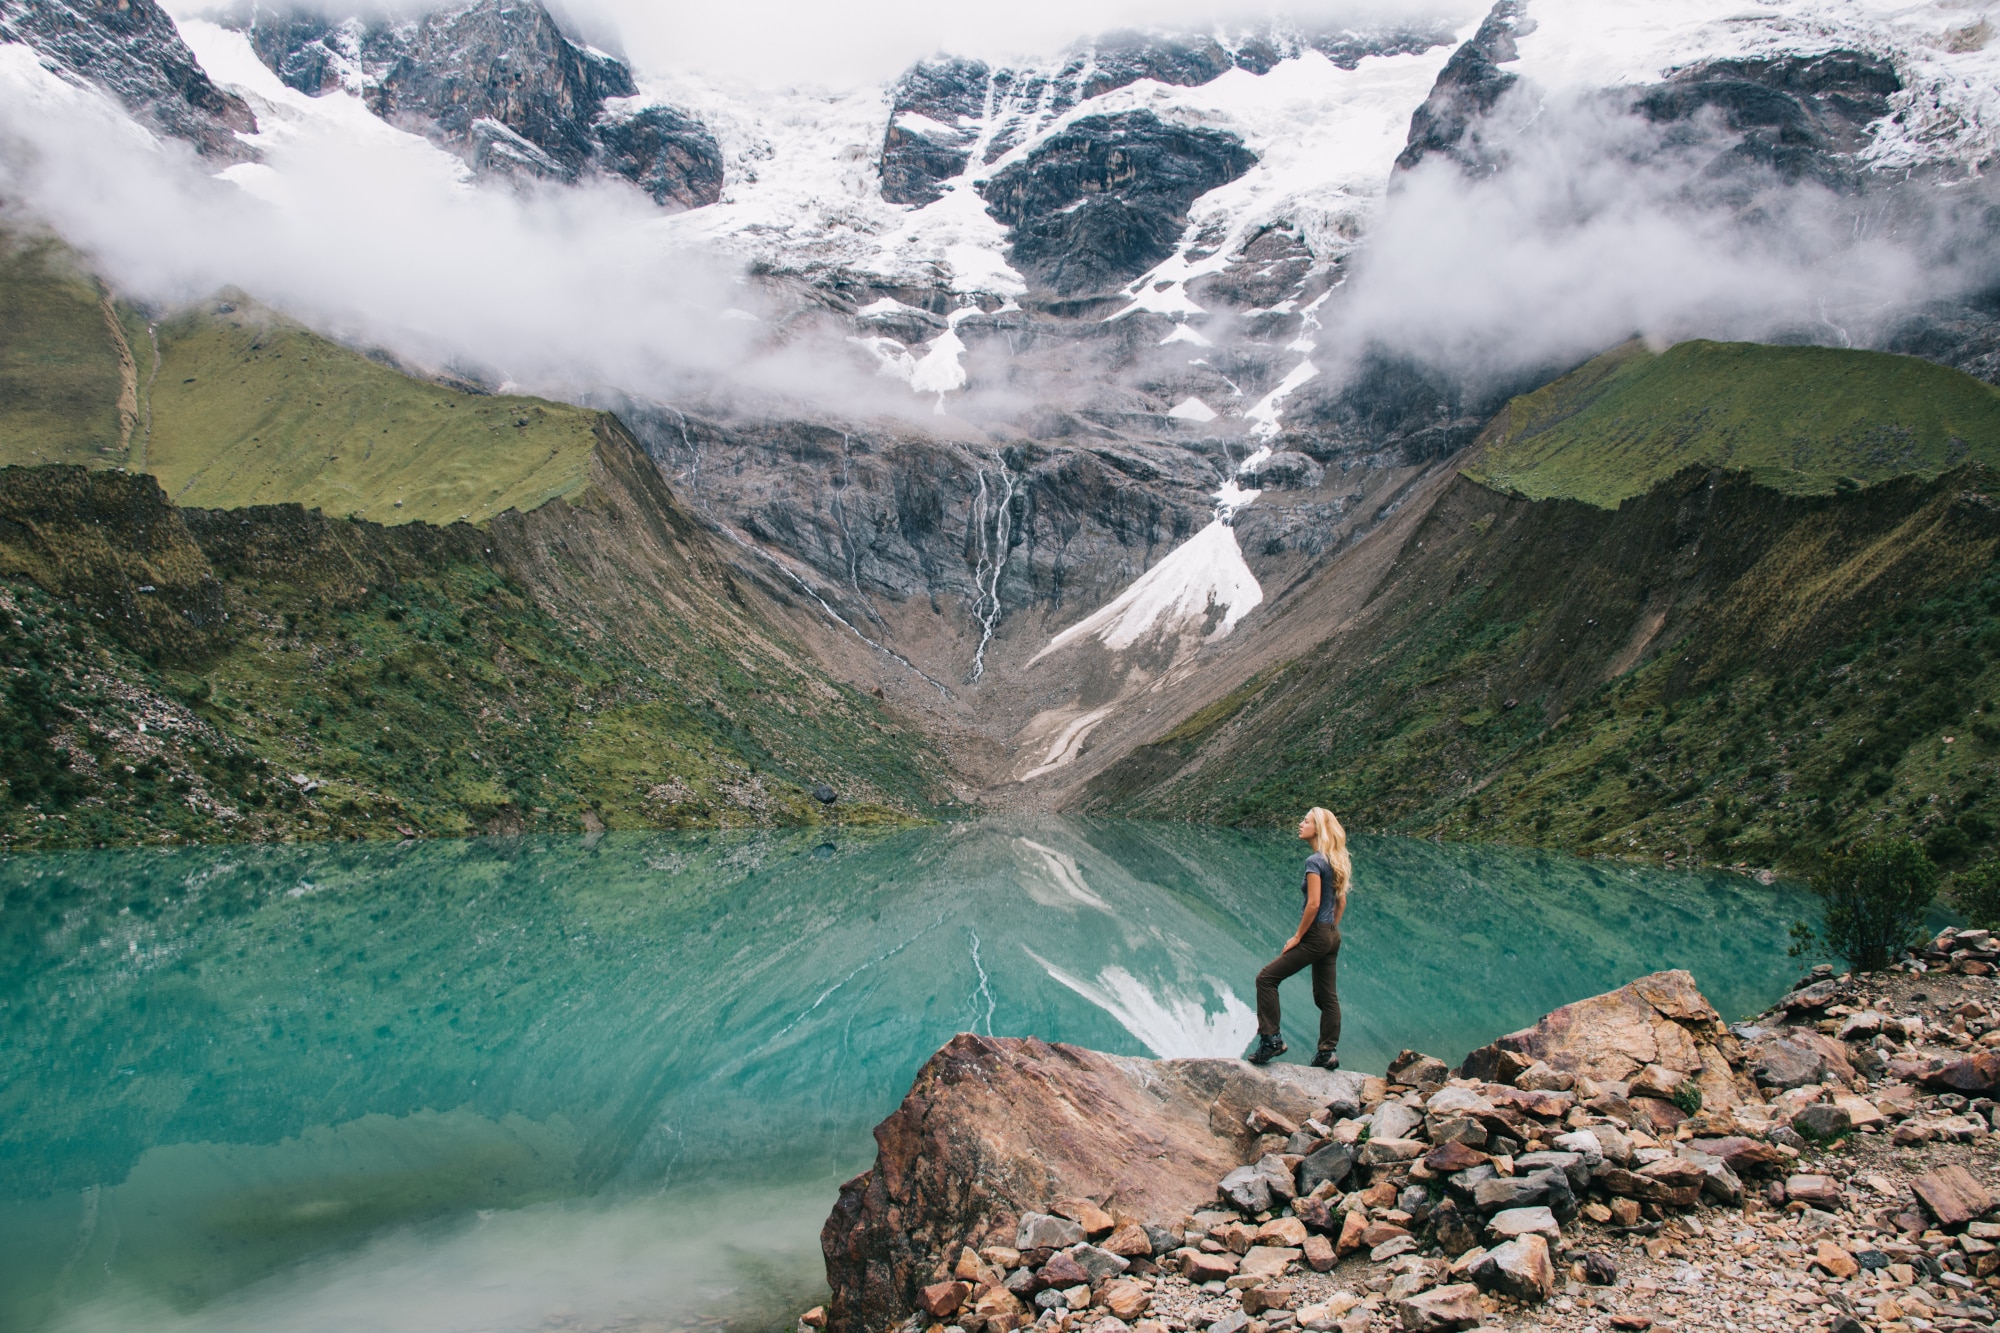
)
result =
(1466, 89)
(132, 50)
(940, 109)
(499, 84)
(1046, 1231)
(1108, 197)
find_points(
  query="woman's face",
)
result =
(1306, 829)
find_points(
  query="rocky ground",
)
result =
(1628, 1163)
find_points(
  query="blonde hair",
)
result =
(1329, 839)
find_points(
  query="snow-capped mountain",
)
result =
(1170, 317)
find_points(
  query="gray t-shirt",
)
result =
(1317, 864)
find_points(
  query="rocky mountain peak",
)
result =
(501, 85)
(132, 50)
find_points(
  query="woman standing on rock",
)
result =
(1315, 944)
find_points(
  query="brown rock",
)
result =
(1631, 1323)
(1210, 1267)
(1236, 1235)
(1263, 1120)
(1656, 1117)
(1975, 1075)
(1820, 1191)
(1835, 1261)
(1256, 1300)
(1625, 1212)
(1063, 1270)
(1952, 1196)
(1267, 1261)
(1094, 1220)
(1315, 1213)
(1441, 1309)
(1318, 1254)
(1656, 1081)
(997, 1301)
(1127, 1300)
(942, 1298)
(1660, 1019)
(1129, 1240)
(815, 1317)
(971, 1268)
(1417, 1070)
(1351, 1228)
(1282, 1231)
(1741, 1155)
(995, 1127)
(1380, 1233)
(1451, 1158)
(1541, 1105)
(1521, 1268)
(1680, 1190)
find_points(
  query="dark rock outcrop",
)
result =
(941, 107)
(1468, 87)
(1107, 198)
(502, 86)
(132, 50)
(995, 1128)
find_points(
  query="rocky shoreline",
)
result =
(1629, 1162)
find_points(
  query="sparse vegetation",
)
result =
(1874, 898)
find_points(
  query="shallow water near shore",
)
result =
(615, 1082)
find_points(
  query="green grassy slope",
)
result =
(233, 405)
(62, 366)
(250, 408)
(1798, 419)
(1719, 669)
(411, 674)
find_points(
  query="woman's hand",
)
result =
(1290, 944)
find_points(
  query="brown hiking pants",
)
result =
(1317, 950)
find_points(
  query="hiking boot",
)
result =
(1268, 1049)
(1326, 1060)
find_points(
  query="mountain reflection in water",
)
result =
(614, 1082)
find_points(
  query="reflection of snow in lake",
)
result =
(1061, 874)
(1174, 1027)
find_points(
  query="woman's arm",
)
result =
(1339, 907)
(1312, 910)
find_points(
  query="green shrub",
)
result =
(1687, 1095)
(1875, 896)
(1975, 892)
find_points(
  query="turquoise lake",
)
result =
(616, 1082)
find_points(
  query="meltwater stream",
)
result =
(615, 1082)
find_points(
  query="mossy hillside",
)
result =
(408, 676)
(65, 371)
(230, 405)
(250, 408)
(1802, 420)
(1743, 677)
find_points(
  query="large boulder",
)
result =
(1661, 1019)
(995, 1129)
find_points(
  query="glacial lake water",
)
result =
(615, 1082)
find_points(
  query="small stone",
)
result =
(1513, 1222)
(1520, 1269)
(1822, 1121)
(1329, 1164)
(1450, 1158)
(1233, 1322)
(1266, 1261)
(1625, 1212)
(1246, 1187)
(1202, 1268)
(1281, 1231)
(1351, 1227)
(1263, 1120)
(1417, 1070)
(1389, 1249)
(1539, 1077)
(1835, 1261)
(1820, 1191)
(1062, 1270)
(815, 1317)
(1631, 1323)
(1099, 1263)
(943, 1298)
(1001, 1256)
(1043, 1231)
(1128, 1240)
(1597, 1212)
(1598, 1269)
(1952, 1196)
(1094, 1220)
(1314, 1213)
(997, 1301)
(1656, 1081)
(1256, 1300)
(1388, 1152)
(1127, 1299)
(1378, 1232)
(1318, 1252)
(1441, 1309)
(1393, 1120)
